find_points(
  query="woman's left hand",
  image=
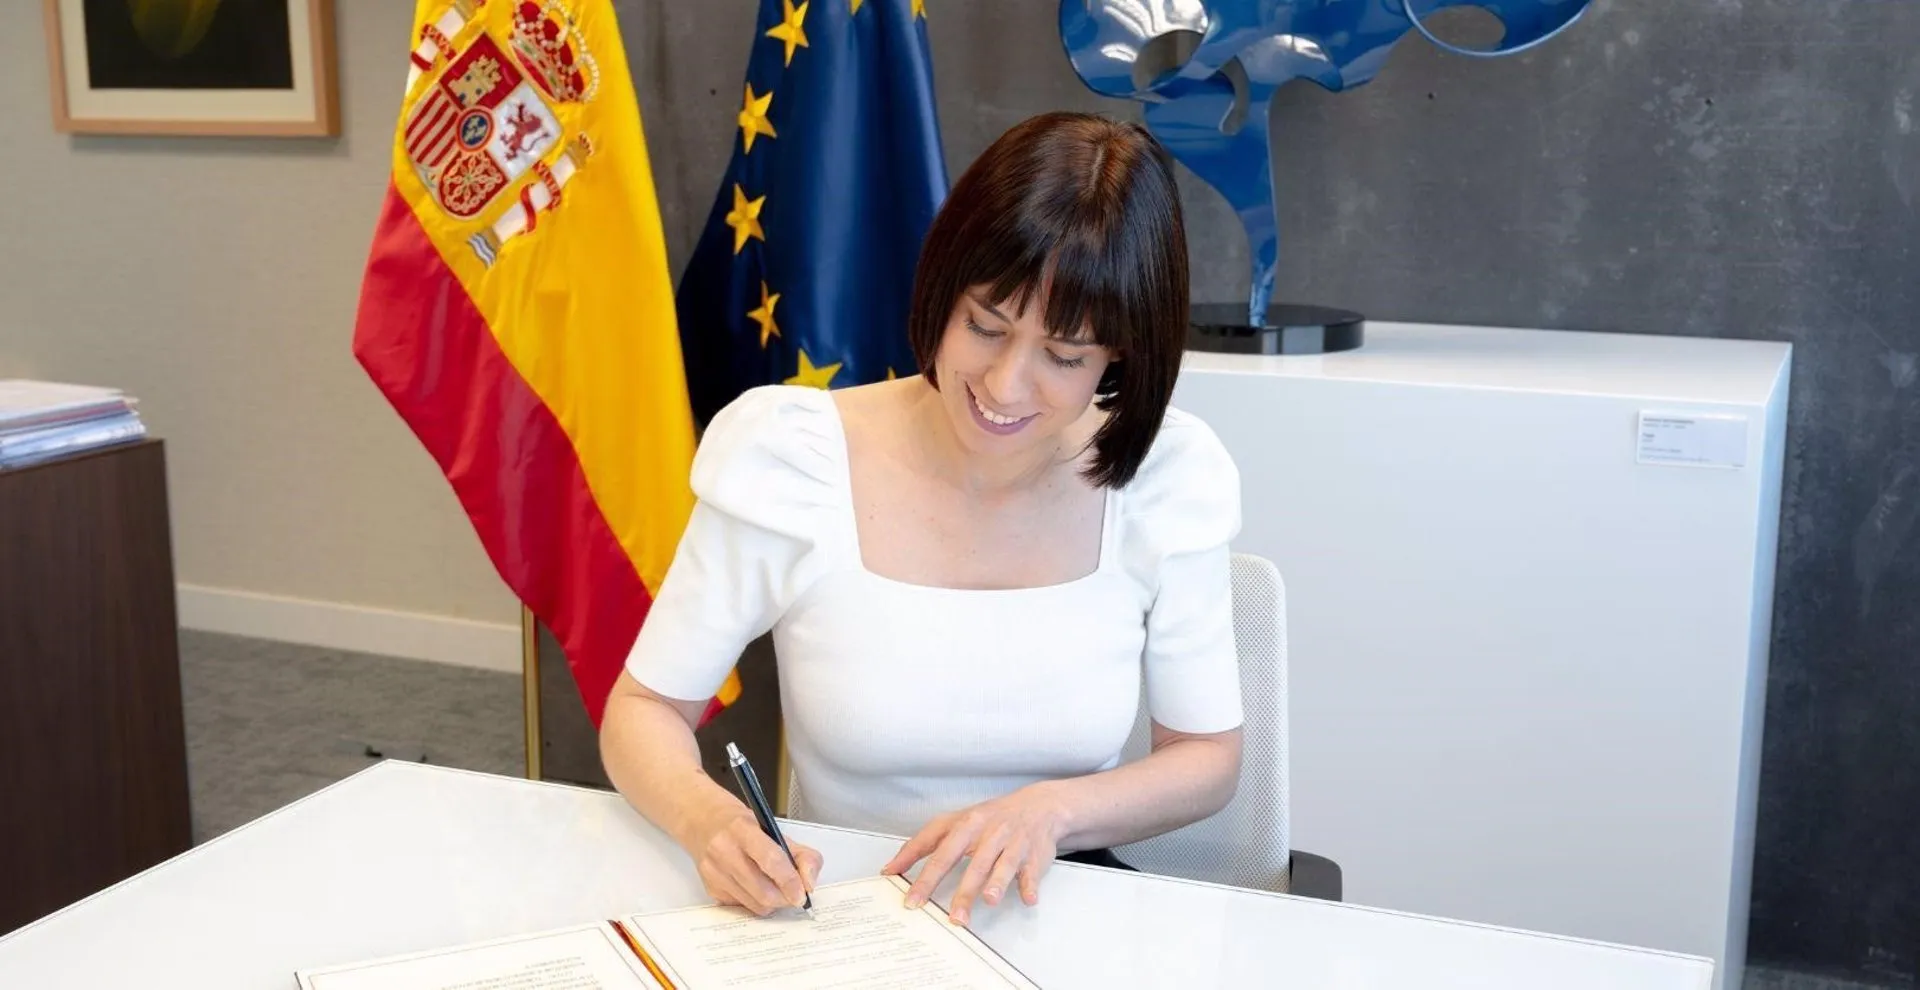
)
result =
(1009, 839)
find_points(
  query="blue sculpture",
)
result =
(1207, 70)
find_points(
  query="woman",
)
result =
(970, 574)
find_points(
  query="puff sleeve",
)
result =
(1182, 510)
(766, 479)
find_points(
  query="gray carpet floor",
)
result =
(268, 723)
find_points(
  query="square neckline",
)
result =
(1109, 512)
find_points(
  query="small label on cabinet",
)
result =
(1693, 439)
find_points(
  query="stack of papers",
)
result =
(44, 420)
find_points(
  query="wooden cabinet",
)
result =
(93, 767)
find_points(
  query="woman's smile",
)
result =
(996, 423)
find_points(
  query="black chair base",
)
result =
(1314, 876)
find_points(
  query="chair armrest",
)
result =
(1314, 876)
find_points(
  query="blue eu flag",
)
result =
(804, 270)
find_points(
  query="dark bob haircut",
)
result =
(1083, 210)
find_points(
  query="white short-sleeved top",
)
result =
(905, 701)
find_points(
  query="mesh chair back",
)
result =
(1246, 844)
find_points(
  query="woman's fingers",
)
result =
(1011, 866)
(741, 864)
(720, 886)
(941, 860)
(760, 895)
(1004, 847)
(1031, 871)
(777, 869)
(985, 859)
(810, 862)
(916, 848)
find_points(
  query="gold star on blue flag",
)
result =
(835, 175)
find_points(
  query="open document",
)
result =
(860, 938)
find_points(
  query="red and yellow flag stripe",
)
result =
(517, 311)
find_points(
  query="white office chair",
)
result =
(1246, 843)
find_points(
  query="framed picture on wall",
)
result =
(237, 67)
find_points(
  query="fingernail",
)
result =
(993, 895)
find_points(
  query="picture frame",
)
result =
(254, 68)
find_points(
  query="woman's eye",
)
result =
(1067, 362)
(982, 331)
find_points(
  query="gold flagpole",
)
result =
(785, 771)
(530, 687)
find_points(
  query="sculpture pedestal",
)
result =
(1289, 329)
(1529, 582)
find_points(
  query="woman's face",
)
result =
(1006, 384)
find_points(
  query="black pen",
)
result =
(749, 782)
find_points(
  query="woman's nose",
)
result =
(1009, 380)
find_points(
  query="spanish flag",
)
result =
(518, 313)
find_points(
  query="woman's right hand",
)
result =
(739, 864)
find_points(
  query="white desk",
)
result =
(403, 857)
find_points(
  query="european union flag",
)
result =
(804, 270)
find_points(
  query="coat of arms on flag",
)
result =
(488, 114)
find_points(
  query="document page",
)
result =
(586, 958)
(862, 937)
